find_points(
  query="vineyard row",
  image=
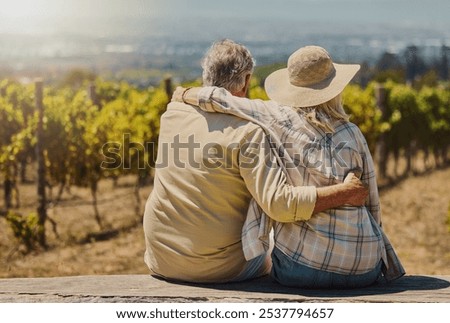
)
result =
(64, 131)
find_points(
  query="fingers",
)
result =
(360, 197)
(354, 173)
(359, 190)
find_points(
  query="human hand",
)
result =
(178, 94)
(356, 190)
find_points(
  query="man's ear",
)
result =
(243, 91)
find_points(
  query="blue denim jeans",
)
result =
(289, 273)
(255, 268)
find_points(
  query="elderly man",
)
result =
(209, 167)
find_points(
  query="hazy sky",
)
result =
(31, 15)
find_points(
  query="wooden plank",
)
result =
(145, 288)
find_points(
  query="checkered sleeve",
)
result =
(215, 99)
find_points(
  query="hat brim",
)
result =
(279, 89)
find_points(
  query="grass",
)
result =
(416, 218)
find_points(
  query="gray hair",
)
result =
(226, 64)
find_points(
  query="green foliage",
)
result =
(434, 106)
(129, 125)
(76, 132)
(109, 91)
(360, 104)
(85, 142)
(194, 83)
(76, 78)
(406, 118)
(261, 72)
(429, 79)
(25, 228)
(395, 75)
(255, 91)
(16, 116)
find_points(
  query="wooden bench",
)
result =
(145, 288)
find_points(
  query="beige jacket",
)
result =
(209, 166)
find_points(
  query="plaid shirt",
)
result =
(344, 240)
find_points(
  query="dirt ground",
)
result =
(415, 217)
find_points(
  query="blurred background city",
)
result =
(131, 39)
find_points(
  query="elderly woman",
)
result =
(310, 133)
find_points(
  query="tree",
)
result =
(389, 67)
(415, 65)
(76, 78)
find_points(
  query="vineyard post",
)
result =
(7, 184)
(41, 208)
(381, 146)
(92, 95)
(168, 87)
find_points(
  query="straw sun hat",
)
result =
(311, 78)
